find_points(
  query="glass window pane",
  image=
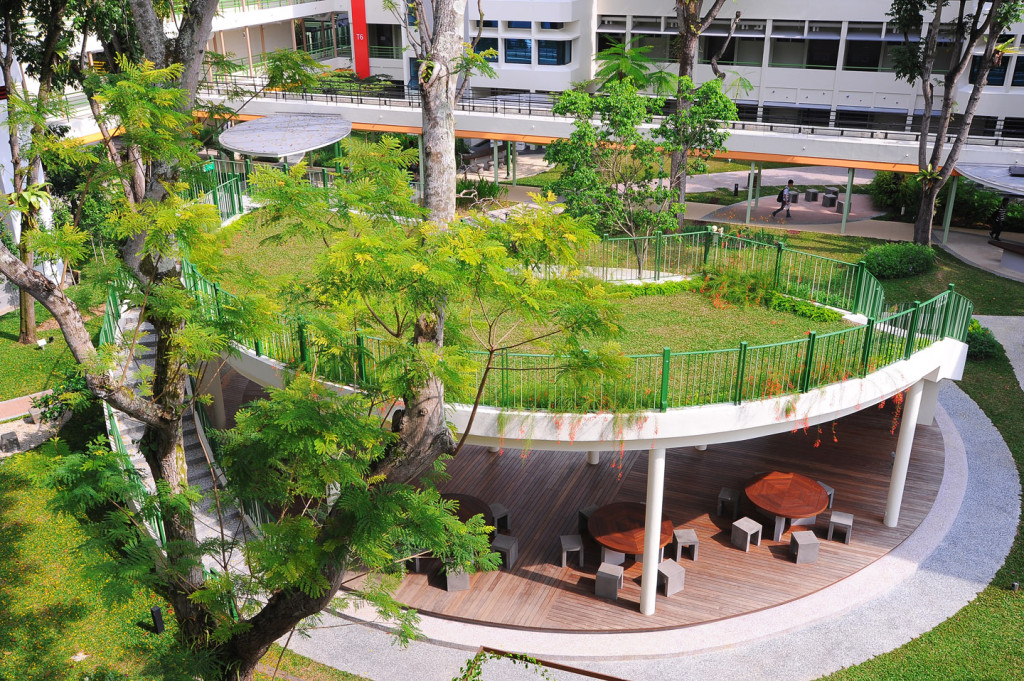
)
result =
(485, 44)
(518, 51)
(554, 52)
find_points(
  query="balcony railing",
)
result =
(385, 52)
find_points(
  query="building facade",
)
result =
(820, 64)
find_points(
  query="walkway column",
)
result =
(515, 162)
(911, 408)
(494, 145)
(757, 196)
(652, 530)
(593, 458)
(948, 217)
(849, 200)
(750, 190)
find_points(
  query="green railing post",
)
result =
(238, 194)
(869, 338)
(216, 300)
(303, 350)
(741, 367)
(708, 236)
(504, 378)
(778, 264)
(805, 380)
(944, 329)
(858, 291)
(912, 330)
(248, 168)
(259, 348)
(666, 365)
(360, 359)
(657, 255)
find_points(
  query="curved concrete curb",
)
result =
(925, 580)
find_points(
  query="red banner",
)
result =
(360, 41)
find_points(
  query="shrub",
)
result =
(981, 344)
(781, 303)
(477, 191)
(899, 260)
(70, 392)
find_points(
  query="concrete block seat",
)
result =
(571, 543)
(684, 537)
(829, 201)
(608, 581)
(744, 531)
(829, 491)
(457, 581)
(794, 196)
(728, 498)
(671, 577)
(811, 195)
(844, 521)
(584, 518)
(502, 521)
(612, 557)
(840, 205)
(804, 546)
(508, 547)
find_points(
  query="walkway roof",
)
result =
(994, 177)
(283, 135)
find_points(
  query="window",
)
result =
(747, 112)
(519, 24)
(822, 54)
(552, 25)
(485, 44)
(486, 23)
(863, 55)
(554, 52)
(1018, 73)
(983, 126)
(1013, 127)
(996, 75)
(518, 51)
(606, 40)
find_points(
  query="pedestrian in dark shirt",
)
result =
(998, 219)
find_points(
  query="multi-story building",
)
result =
(821, 64)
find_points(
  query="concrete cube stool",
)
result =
(671, 577)
(832, 190)
(728, 497)
(794, 196)
(840, 205)
(571, 543)
(804, 545)
(830, 492)
(501, 517)
(508, 547)
(608, 581)
(584, 518)
(9, 442)
(457, 581)
(612, 557)
(811, 195)
(829, 201)
(743, 531)
(683, 537)
(844, 521)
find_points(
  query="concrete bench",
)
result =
(804, 546)
(1013, 255)
(671, 577)
(811, 195)
(840, 205)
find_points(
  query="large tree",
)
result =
(969, 37)
(691, 23)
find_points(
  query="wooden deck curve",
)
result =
(544, 491)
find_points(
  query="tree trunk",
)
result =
(438, 85)
(926, 213)
(27, 304)
(422, 428)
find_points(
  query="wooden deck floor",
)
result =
(544, 490)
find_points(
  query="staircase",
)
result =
(203, 474)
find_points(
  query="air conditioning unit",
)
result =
(1016, 171)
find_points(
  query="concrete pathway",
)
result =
(801, 176)
(972, 246)
(1010, 332)
(18, 406)
(925, 580)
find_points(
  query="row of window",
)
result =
(520, 51)
(543, 25)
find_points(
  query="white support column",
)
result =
(652, 530)
(593, 458)
(911, 408)
(750, 189)
(950, 200)
(849, 200)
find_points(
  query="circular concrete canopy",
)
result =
(285, 135)
(996, 177)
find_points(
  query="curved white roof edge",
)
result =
(683, 427)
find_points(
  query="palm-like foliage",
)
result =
(629, 60)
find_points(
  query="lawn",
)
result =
(26, 368)
(252, 266)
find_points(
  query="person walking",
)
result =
(998, 219)
(784, 199)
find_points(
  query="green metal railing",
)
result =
(671, 379)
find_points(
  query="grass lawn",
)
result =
(27, 369)
(50, 607)
(252, 266)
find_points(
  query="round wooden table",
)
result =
(786, 495)
(470, 506)
(620, 527)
